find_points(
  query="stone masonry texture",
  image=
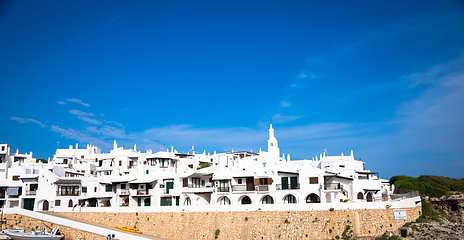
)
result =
(252, 224)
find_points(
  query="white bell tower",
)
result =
(273, 146)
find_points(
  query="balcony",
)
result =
(207, 185)
(243, 188)
(142, 192)
(287, 187)
(60, 193)
(223, 189)
(262, 188)
(332, 186)
(31, 193)
(122, 191)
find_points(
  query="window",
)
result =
(147, 171)
(360, 195)
(223, 186)
(185, 182)
(289, 199)
(341, 166)
(120, 163)
(57, 203)
(195, 182)
(166, 201)
(109, 188)
(164, 163)
(3, 148)
(84, 189)
(82, 156)
(313, 180)
(33, 187)
(123, 186)
(224, 201)
(69, 191)
(95, 189)
(239, 181)
(16, 178)
(65, 161)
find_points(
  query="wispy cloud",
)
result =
(80, 136)
(26, 120)
(74, 100)
(85, 116)
(284, 104)
(279, 118)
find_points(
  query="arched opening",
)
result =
(45, 205)
(246, 200)
(267, 200)
(328, 198)
(70, 203)
(289, 199)
(187, 202)
(369, 197)
(360, 196)
(313, 198)
(105, 202)
(224, 201)
(125, 202)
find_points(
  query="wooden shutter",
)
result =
(269, 181)
(256, 181)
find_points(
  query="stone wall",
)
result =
(28, 224)
(255, 224)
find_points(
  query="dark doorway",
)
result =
(29, 204)
(45, 205)
(313, 198)
(369, 197)
(246, 200)
(250, 184)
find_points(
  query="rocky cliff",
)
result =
(446, 219)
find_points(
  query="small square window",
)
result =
(239, 181)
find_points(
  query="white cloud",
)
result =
(85, 116)
(284, 103)
(80, 136)
(26, 120)
(279, 118)
(74, 100)
(61, 103)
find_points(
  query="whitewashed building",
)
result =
(168, 180)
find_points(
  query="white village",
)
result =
(127, 180)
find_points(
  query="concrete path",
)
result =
(81, 225)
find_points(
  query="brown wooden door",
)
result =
(45, 205)
(250, 184)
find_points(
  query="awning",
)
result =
(145, 179)
(68, 182)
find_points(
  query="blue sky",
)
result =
(385, 79)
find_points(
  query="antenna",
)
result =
(271, 120)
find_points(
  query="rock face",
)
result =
(451, 224)
(452, 207)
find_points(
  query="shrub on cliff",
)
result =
(428, 185)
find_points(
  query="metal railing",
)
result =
(332, 186)
(261, 188)
(59, 193)
(223, 189)
(142, 192)
(123, 191)
(288, 187)
(31, 193)
(239, 188)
